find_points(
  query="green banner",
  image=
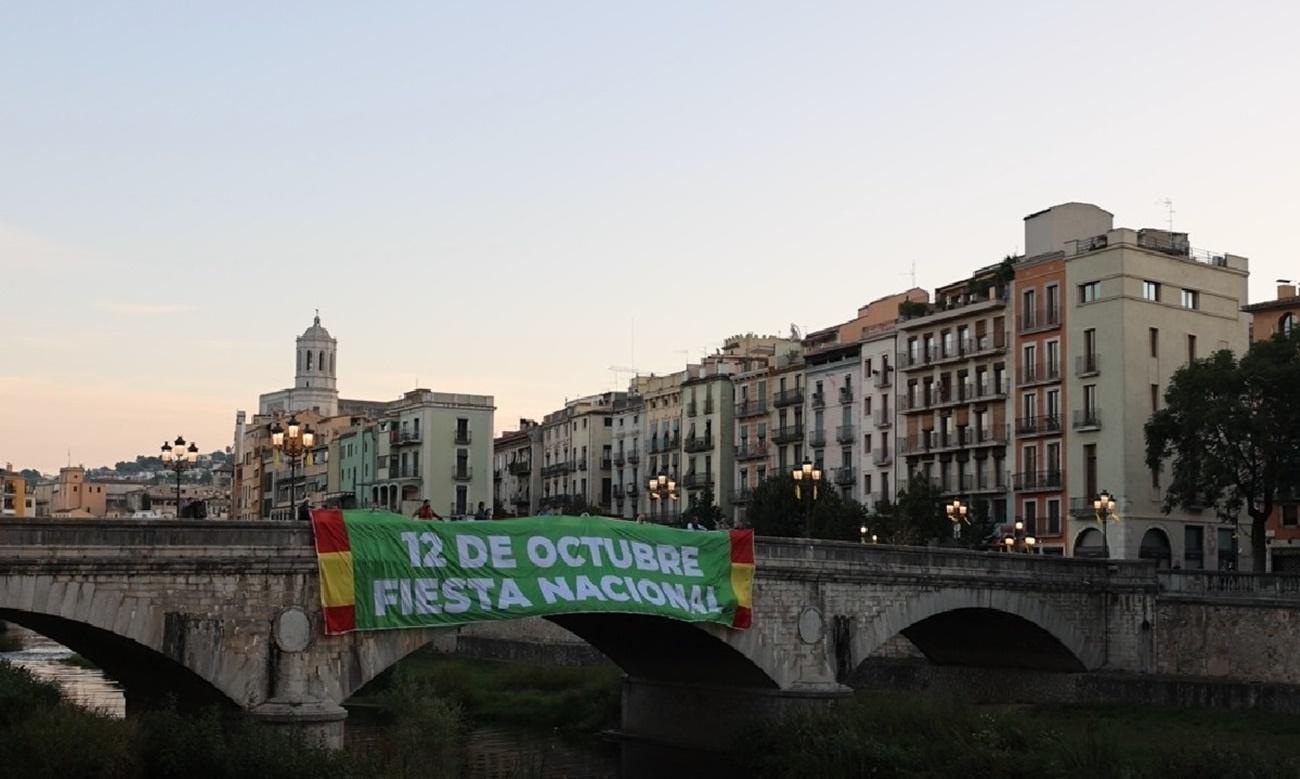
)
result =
(382, 571)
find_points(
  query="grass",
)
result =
(575, 700)
(914, 737)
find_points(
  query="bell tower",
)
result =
(316, 355)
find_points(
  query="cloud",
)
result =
(142, 309)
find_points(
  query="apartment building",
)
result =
(832, 376)
(352, 464)
(629, 453)
(577, 457)
(751, 415)
(708, 449)
(879, 347)
(1268, 318)
(662, 437)
(786, 412)
(15, 501)
(953, 384)
(516, 484)
(436, 446)
(1136, 305)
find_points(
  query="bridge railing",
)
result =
(153, 533)
(1231, 584)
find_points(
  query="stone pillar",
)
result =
(689, 730)
(292, 707)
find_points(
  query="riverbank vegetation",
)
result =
(895, 736)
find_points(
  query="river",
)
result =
(493, 752)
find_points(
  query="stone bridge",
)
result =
(228, 612)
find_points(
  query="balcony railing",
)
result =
(1039, 319)
(619, 460)
(708, 405)
(816, 438)
(460, 437)
(633, 458)
(844, 434)
(751, 450)
(992, 435)
(1087, 365)
(788, 397)
(617, 491)
(692, 481)
(882, 457)
(884, 417)
(701, 443)
(462, 473)
(988, 482)
(406, 437)
(556, 469)
(846, 395)
(692, 409)
(742, 495)
(818, 399)
(605, 464)
(884, 377)
(1044, 425)
(846, 475)
(1041, 372)
(1087, 419)
(751, 408)
(520, 467)
(787, 434)
(1030, 481)
(582, 464)
(1082, 508)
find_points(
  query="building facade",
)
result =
(315, 381)
(577, 457)
(516, 483)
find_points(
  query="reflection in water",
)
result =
(492, 752)
(88, 687)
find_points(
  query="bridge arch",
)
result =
(982, 628)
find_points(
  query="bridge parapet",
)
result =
(1230, 586)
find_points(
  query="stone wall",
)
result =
(1248, 639)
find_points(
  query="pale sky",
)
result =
(486, 196)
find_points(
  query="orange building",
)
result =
(1268, 319)
(14, 498)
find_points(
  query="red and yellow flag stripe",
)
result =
(337, 581)
(742, 576)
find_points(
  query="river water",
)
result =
(492, 752)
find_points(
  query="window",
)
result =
(1155, 478)
(1053, 304)
(1090, 397)
(1154, 335)
(1290, 515)
(1286, 324)
(1053, 358)
(1054, 403)
(1053, 517)
(1191, 347)
(1090, 292)
(1190, 298)
(1089, 470)
(1151, 290)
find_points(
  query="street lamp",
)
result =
(1104, 505)
(958, 515)
(293, 440)
(176, 457)
(806, 474)
(662, 488)
(1018, 541)
(863, 533)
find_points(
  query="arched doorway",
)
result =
(1089, 543)
(1155, 546)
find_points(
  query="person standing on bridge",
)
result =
(304, 510)
(425, 511)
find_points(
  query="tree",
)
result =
(1232, 431)
(774, 511)
(915, 518)
(704, 510)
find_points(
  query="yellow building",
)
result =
(15, 501)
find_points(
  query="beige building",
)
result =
(629, 454)
(315, 383)
(577, 456)
(436, 446)
(516, 484)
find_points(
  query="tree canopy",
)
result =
(775, 511)
(1230, 428)
(704, 510)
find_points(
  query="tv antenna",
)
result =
(1169, 207)
(912, 273)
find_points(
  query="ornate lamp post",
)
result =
(958, 514)
(176, 457)
(292, 440)
(864, 534)
(1104, 505)
(806, 474)
(1018, 541)
(662, 488)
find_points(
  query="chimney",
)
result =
(1285, 289)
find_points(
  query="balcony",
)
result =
(818, 399)
(742, 496)
(605, 463)
(549, 471)
(520, 498)
(1039, 319)
(882, 457)
(1087, 365)
(846, 395)
(1038, 374)
(845, 434)
(633, 458)
(619, 460)
(751, 408)
(959, 350)
(708, 405)
(988, 482)
(993, 435)
(582, 464)
(617, 491)
(1087, 419)
(884, 377)
(699, 443)
(695, 481)
(788, 397)
(816, 438)
(846, 476)
(1036, 481)
(788, 434)
(404, 437)
(691, 409)
(520, 467)
(884, 418)
(632, 490)
(1044, 425)
(462, 473)
(1082, 508)
(460, 437)
(751, 451)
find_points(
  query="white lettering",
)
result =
(512, 596)
(404, 589)
(567, 547)
(651, 592)
(555, 587)
(593, 545)
(432, 556)
(712, 600)
(385, 596)
(453, 595)
(631, 589)
(412, 541)
(625, 561)
(471, 550)
(607, 584)
(691, 561)
(676, 595)
(645, 556)
(502, 555)
(426, 592)
(540, 551)
(669, 559)
(481, 586)
(587, 590)
(697, 600)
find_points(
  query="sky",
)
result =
(509, 198)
